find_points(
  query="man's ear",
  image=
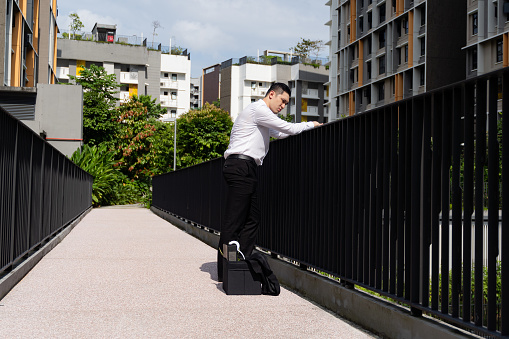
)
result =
(272, 94)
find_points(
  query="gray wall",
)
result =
(59, 113)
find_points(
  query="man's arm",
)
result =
(265, 117)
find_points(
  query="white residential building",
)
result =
(175, 85)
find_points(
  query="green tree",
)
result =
(153, 110)
(202, 135)
(134, 140)
(76, 23)
(99, 114)
(305, 47)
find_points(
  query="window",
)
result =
(475, 27)
(500, 50)
(260, 84)
(173, 113)
(398, 29)
(406, 53)
(381, 13)
(165, 93)
(398, 51)
(253, 100)
(173, 95)
(423, 46)
(367, 94)
(361, 4)
(474, 58)
(421, 81)
(381, 91)
(370, 20)
(368, 64)
(405, 25)
(174, 77)
(381, 38)
(253, 84)
(361, 24)
(423, 16)
(369, 46)
(381, 65)
(165, 75)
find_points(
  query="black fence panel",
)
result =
(405, 200)
(41, 191)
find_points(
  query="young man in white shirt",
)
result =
(249, 144)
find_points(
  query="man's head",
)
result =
(277, 97)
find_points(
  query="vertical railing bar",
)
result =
(367, 200)
(504, 318)
(415, 198)
(401, 201)
(356, 199)
(493, 200)
(362, 197)
(13, 198)
(373, 210)
(457, 137)
(436, 197)
(386, 199)
(426, 201)
(394, 198)
(446, 163)
(480, 160)
(408, 203)
(468, 196)
(379, 196)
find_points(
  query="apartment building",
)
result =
(28, 53)
(195, 95)
(175, 85)
(139, 70)
(487, 36)
(211, 80)
(383, 51)
(247, 80)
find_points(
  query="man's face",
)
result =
(278, 101)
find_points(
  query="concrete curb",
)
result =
(17, 274)
(374, 314)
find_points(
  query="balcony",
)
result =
(258, 91)
(128, 77)
(166, 101)
(310, 93)
(165, 83)
(63, 72)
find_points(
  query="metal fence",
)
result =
(41, 191)
(362, 199)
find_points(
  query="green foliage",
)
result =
(305, 47)
(134, 140)
(217, 103)
(153, 110)
(202, 135)
(76, 23)
(98, 161)
(99, 114)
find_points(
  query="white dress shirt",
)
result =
(253, 128)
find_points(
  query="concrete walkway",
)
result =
(126, 273)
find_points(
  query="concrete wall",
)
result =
(59, 113)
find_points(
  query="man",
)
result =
(249, 144)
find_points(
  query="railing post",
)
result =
(13, 198)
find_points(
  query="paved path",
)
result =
(126, 273)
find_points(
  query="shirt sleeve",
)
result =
(265, 117)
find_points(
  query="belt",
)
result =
(241, 156)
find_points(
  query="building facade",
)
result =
(247, 80)
(384, 51)
(138, 70)
(195, 95)
(487, 36)
(175, 85)
(211, 80)
(28, 53)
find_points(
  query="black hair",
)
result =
(279, 88)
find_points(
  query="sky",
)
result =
(212, 30)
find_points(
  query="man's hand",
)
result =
(316, 123)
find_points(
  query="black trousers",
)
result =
(242, 214)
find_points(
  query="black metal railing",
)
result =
(41, 191)
(362, 199)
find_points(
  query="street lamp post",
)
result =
(175, 144)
